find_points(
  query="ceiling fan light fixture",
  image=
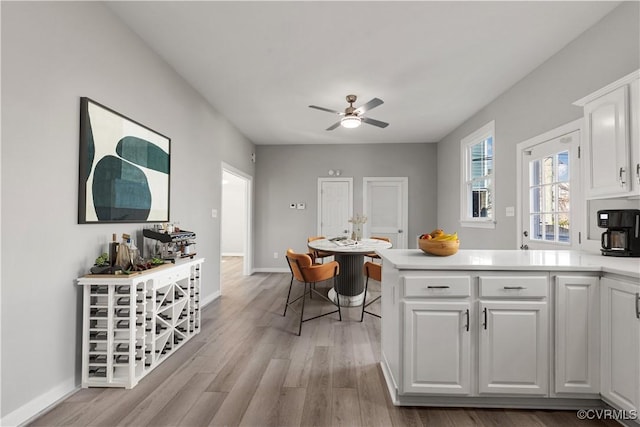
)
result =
(350, 122)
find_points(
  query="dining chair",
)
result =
(316, 254)
(374, 255)
(372, 270)
(305, 271)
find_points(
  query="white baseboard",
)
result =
(40, 404)
(271, 270)
(233, 254)
(211, 298)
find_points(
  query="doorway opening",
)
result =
(235, 220)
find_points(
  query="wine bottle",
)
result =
(113, 251)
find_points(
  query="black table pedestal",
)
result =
(350, 281)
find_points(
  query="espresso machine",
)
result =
(171, 246)
(622, 237)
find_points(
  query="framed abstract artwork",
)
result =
(124, 168)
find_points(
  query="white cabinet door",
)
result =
(620, 325)
(437, 340)
(577, 338)
(634, 134)
(607, 143)
(513, 347)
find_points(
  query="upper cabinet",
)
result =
(611, 144)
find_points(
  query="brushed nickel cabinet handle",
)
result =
(438, 287)
(512, 288)
(622, 181)
(637, 305)
(467, 325)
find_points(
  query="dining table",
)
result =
(350, 255)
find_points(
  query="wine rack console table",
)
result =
(132, 323)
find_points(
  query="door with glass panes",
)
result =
(550, 181)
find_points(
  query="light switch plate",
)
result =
(301, 206)
(510, 211)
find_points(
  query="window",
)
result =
(549, 198)
(477, 194)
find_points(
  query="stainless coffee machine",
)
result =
(622, 237)
(172, 246)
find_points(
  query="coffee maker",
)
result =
(622, 237)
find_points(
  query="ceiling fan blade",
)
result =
(333, 126)
(325, 109)
(369, 105)
(374, 122)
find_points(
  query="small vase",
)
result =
(358, 233)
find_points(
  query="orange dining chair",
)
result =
(374, 255)
(316, 254)
(374, 271)
(306, 272)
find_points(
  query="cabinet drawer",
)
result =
(513, 286)
(437, 286)
(172, 277)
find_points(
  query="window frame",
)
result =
(466, 198)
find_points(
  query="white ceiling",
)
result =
(435, 64)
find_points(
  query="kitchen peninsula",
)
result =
(511, 328)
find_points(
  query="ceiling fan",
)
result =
(353, 117)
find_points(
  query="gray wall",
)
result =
(52, 54)
(286, 174)
(538, 103)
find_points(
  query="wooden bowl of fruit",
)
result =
(439, 243)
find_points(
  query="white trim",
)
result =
(349, 179)
(479, 224)
(488, 130)
(608, 88)
(209, 299)
(38, 406)
(232, 254)
(248, 244)
(271, 270)
(405, 205)
(575, 125)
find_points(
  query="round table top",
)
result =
(349, 246)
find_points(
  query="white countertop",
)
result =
(415, 259)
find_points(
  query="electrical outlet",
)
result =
(275, 255)
(292, 206)
(301, 206)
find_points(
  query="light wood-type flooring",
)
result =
(247, 367)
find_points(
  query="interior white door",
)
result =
(335, 202)
(385, 202)
(550, 191)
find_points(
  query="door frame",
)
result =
(247, 265)
(404, 180)
(577, 199)
(321, 180)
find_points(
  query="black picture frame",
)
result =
(125, 168)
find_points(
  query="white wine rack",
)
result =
(133, 323)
